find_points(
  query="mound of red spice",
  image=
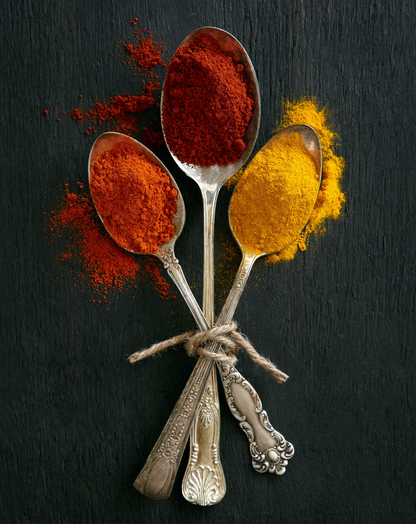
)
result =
(208, 104)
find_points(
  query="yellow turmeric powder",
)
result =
(275, 196)
(331, 197)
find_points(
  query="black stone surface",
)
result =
(77, 421)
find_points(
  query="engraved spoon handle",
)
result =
(159, 472)
(204, 481)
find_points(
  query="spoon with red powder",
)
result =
(210, 109)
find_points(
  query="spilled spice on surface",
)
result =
(95, 261)
(130, 112)
(118, 113)
(104, 265)
(146, 54)
(331, 197)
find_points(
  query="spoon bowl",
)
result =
(312, 143)
(213, 176)
(106, 142)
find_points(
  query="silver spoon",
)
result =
(269, 449)
(204, 481)
(165, 253)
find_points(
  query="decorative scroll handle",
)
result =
(269, 450)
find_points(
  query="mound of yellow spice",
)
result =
(331, 197)
(275, 196)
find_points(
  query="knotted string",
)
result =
(226, 335)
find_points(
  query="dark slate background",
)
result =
(78, 421)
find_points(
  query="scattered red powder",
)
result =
(141, 52)
(146, 54)
(105, 265)
(120, 113)
(159, 282)
(153, 136)
(151, 87)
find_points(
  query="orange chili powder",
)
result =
(134, 197)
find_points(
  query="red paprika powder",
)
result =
(134, 197)
(208, 104)
(146, 54)
(120, 113)
(141, 53)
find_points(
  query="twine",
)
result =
(226, 335)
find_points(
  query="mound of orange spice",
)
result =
(134, 197)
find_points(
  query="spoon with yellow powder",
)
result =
(270, 207)
(286, 175)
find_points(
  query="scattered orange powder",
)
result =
(105, 265)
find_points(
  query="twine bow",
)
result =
(226, 335)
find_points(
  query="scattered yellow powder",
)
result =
(331, 197)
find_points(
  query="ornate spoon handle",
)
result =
(204, 482)
(158, 474)
(269, 450)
